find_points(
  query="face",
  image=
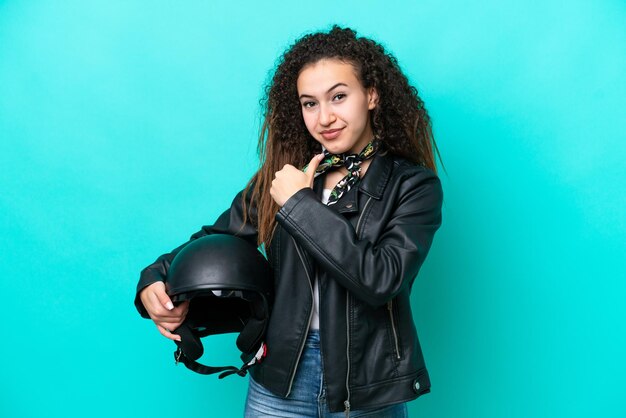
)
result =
(335, 106)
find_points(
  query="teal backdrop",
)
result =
(126, 125)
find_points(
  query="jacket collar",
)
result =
(377, 175)
(373, 183)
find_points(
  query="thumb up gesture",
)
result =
(289, 180)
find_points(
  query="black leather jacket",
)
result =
(366, 251)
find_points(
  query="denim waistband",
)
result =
(313, 339)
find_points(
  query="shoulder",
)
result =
(415, 180)
(406, 170)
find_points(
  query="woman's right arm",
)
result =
(151, 299)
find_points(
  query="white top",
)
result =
(315, 319)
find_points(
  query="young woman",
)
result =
(346, 203)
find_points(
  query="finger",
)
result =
(162, 315)
(180, 311)
(176, 314)
(171, 325)
(167, 334)
(312, 166)
(156, 308)
(175, 317)
(165, 300)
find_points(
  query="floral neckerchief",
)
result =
(352, 162)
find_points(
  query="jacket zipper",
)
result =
(346, 403)
(293, 375)
(358, 223)
(393, 327)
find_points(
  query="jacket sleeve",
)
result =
(230, 222)
(374, 272)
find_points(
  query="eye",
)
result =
(308, 105)
(339, 96)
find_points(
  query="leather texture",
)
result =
(366, 251)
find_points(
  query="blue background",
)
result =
(126, 125)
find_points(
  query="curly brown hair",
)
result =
(399, 119)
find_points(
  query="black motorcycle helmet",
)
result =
(230, 288)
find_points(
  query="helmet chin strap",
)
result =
(180, 357)
(190, 348)
(229, 285)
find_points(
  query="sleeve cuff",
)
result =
(294, 200)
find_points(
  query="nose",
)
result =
(327, 116)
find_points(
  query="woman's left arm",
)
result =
(373, 271)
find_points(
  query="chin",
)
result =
(337, 148)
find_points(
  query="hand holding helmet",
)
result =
(162, 311)
(220, 284)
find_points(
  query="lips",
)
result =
(331, 133)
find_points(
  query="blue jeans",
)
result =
(307, 397)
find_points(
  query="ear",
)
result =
(372, 98)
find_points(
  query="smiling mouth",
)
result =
(331, 133)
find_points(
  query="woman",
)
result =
(346, 235)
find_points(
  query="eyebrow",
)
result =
(327, 91)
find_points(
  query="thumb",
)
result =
(312, 166)
(163, 297)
